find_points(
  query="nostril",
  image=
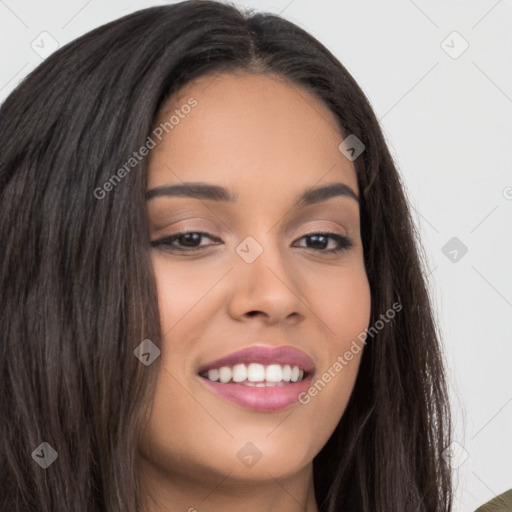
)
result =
(253, 313)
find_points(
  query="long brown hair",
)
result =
(78, 293)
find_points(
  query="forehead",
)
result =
(246, 126)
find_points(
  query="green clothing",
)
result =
(502, 503)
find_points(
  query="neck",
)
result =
(164, 491)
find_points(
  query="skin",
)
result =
(267, 141)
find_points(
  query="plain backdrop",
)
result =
(439, 77)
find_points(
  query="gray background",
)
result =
(447, 117)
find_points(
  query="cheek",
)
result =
(343, 304)
(179, 290)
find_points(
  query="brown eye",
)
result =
(185, 241)
(320, 241)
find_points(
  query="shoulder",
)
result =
(501, 503)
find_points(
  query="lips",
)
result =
(260, 390)
(265, 356)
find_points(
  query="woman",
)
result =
(212, 293)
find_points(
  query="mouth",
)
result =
(256, 374)
(260, 378)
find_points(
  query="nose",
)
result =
(266, 288)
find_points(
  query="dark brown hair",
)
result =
(78, 292)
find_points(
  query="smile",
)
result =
(255, 374)
(260, 378)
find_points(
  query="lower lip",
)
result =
(272, 398)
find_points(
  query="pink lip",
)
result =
(264, 355)
(262, 399)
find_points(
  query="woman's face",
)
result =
(261, 276)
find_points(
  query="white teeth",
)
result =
(274, 373)
(255, 372)
(287, 372)
(256, 375)
(239, 373)
(225, 374)
(213, 374)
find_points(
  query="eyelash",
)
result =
(344, 242)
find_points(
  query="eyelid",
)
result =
(187, 225)
(313, 229)
(321, 225)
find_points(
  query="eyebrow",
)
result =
(216, 193)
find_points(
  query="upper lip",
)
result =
(264, 355)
